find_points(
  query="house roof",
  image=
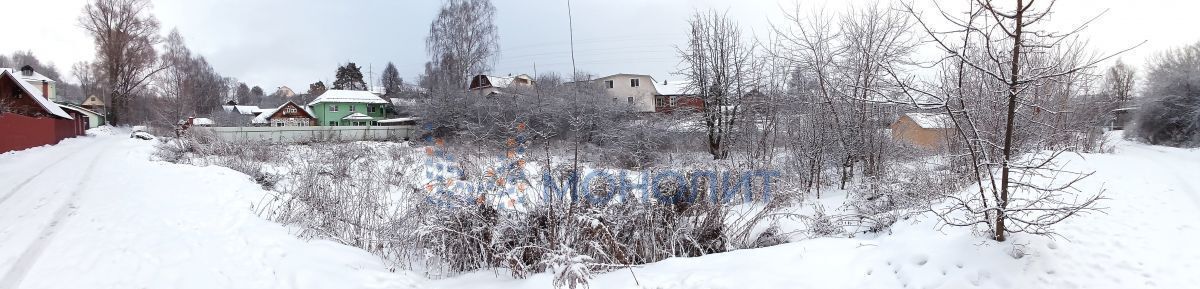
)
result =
(265, 116)
(672, 87)
(500, 81)
(357, 116)
(347, 96)
(79, 109)
(36, 77)
(242, 109)
(50, 107)
(931, 120)
(93, 101)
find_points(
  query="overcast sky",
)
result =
(296, 42)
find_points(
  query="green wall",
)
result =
(324, 116)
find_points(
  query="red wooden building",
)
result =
(29, 119)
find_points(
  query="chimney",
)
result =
(46, 89)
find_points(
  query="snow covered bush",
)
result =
(1170, 112)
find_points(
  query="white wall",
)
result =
(643, 95)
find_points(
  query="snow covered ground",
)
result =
(1144, 240)
(96, 212)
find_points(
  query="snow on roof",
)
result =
(348, 96)
(263, 116)
(672, 87)
(500, 81)
(50, 107)
(930, 120)
(202, 121)
(36, 77)
(79, 109)
(242, 109)
(357, 116)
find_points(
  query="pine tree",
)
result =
(349, 77)
(316, 89)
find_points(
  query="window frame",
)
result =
(634, 82)
(333, 108)
(610, 84)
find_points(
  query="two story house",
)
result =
(347, 108)
(643, 94)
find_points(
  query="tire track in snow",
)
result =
(35, 175)
(29, 257)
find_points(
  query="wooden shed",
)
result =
(924, 130)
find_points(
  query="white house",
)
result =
(641, 91)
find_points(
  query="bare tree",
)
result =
(393, 85)
(125, 34)
(462, 41)
(718, 61)
(1007, 85)
(1119, 81)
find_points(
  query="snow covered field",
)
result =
(96, 212)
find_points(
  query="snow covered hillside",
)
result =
(96, 212)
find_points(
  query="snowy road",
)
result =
(95, 212)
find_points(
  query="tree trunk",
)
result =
(1012, 111)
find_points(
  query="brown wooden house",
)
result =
(923, 130)
(288, 114)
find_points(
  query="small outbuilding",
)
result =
(924, 130)
(288, 114)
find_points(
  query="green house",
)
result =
(348, 108)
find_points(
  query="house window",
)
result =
(279, 124)
(351, 108)
(290, 110)
(333, 108)
(371, 108)
(630, 99)
(635, 82)
(333, 123)
(661, 101)
(608, 84)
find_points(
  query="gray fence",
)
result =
(291, 134)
